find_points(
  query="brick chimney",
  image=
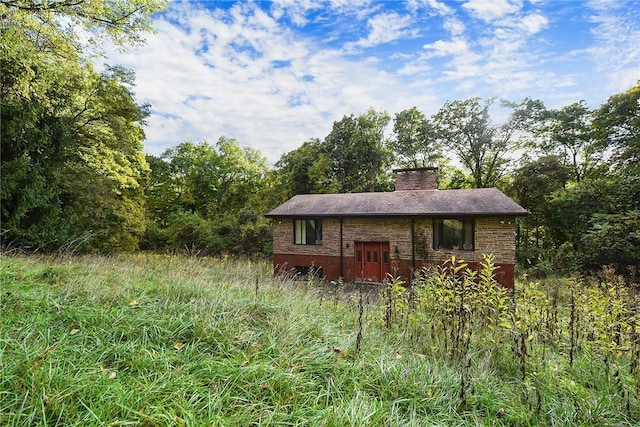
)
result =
(416, 179)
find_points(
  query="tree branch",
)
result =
(39, 7)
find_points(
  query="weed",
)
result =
(166, 340)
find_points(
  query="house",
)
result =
(366, 236)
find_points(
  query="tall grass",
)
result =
(153, 340)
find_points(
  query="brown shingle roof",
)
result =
(473, 202)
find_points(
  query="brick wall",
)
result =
(285, 263)
(416, 179)
(396, 231)
(283, 239)
(492, 236)
(496, 236)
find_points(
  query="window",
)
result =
(306, 271)
(307, 231)
(451, 233)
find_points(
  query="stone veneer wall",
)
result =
(493, 235)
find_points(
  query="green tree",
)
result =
(595, 214)
(358, 152)
(617, 127)
(208, 199)
(161, 194)
(71, 138)
(305, 170)
(613, 234)
(72, 157)
(241, 175)
(598, 218)
(215, 181)
(415, 143)
(103, 178)
(613, 239)
(532, 185)
(465, 128)
(32, 135)
(570, 134)
(50, 25)
(536, 180)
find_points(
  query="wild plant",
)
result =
(551, 332)
(452, 304)
(395, 297)
(573, 333)
(527, 322)
(360, 317)
(492, 299)
(334, 289)
(186, 341)
(634, 341)
(603, 313)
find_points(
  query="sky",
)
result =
(274, 74)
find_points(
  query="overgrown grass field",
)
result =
(154, 341)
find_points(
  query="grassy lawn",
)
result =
(153, 340)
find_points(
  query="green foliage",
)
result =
(583, 192)
(465, 128)
(465, 316)
(194, 234)
(207, 199)
(605, 320)
(71, 154)
(617, 126)
(216, 182)
(570, 134)
(190, 233)
(162, 340)
(534, 182)
(357, 149)
(533, 185)
(305, 170)
(354, 157)
(587, 216)
(49, 24)
(32, 136)
(455, 298)
(395, 296)
(415, 143)
(612, 239)
(71, 138)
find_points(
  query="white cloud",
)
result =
(490, 10)
(440, 7)
(455, 47)
(617, 33)
(496, 56)
(525, 25)
(385, 27)
(296, 10)
(246, 76)
(534, 23)
(253, 72)
(454, 26)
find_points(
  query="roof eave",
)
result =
(397, 215)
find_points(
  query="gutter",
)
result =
(413, 246)
(401, 215)
(341, 251)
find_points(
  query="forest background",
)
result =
(75, 177)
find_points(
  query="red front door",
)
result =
(372, 260)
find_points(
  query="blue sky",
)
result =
(273, 74)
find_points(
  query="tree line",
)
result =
(74, 173)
